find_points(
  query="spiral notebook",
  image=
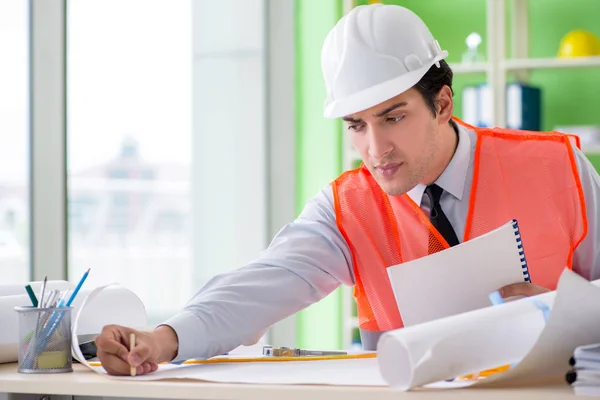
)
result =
(459, 279)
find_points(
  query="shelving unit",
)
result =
(543, 63)
(496, 67)
(469, 68)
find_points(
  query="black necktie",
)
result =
(437, 217)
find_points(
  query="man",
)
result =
(428, 182)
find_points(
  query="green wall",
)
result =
(319, 149)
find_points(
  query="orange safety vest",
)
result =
(528, 176)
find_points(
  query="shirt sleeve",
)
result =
(306, 260)
(586, 258)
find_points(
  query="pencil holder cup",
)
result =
(44, 340)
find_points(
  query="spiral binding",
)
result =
(526, 276)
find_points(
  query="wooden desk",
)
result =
(83, 382)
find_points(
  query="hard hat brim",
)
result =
(377, 94)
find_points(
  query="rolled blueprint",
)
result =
(490, 337)
(106, 305)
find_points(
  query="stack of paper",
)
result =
(585, 374)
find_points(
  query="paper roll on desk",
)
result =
(511, 333)
(110, 304)
(107, 305)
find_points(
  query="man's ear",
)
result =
(445, 105)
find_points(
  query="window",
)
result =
(129, 104)
(142, 75)
(14, 134)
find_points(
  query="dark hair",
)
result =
(432, 82)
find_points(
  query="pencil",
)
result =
(41, 300)
(280, 359)
(131, 346)
(78, 287)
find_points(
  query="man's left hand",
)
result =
(522, 289)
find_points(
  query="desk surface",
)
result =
(83, 382)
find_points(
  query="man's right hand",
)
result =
(151, 348)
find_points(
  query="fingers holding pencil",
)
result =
(124, 351)
(131, 346)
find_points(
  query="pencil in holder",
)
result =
(44, 339)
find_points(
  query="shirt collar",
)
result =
(454, 177)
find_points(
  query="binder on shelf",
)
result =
(469, 105)
(523, 106)
(476, 106)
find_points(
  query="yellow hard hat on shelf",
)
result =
(579, 43)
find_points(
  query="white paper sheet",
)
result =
(351, 372)
(348, 372)
(464, 277)
(510, 333)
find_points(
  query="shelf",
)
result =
(469, 68)
(541, 63)
(529, 63)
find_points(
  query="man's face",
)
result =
(398, 141)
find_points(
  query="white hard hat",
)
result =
(374, 53)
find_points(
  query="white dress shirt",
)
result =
(309, 258)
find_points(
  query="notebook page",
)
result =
(458, 279)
